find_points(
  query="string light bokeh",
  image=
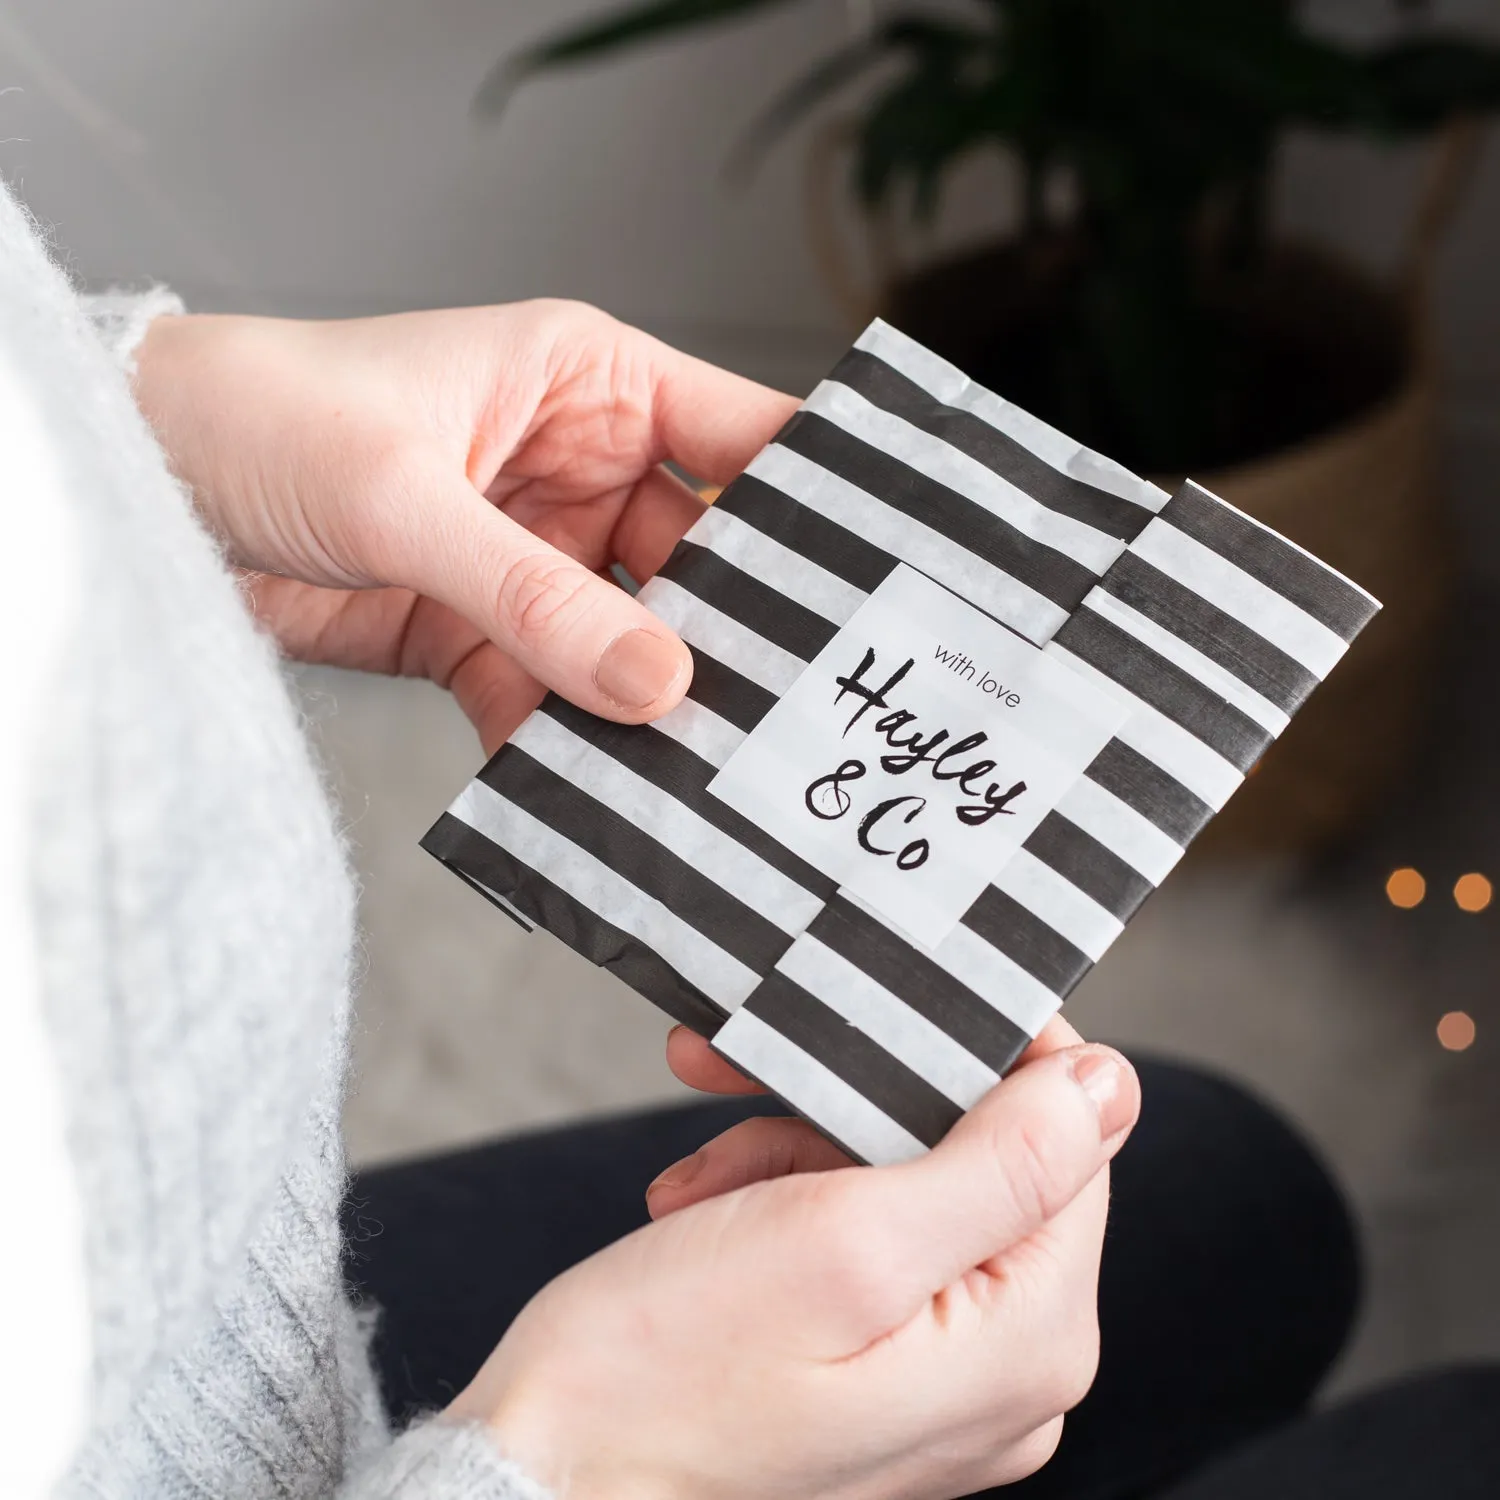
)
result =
(1456, 1031)
(1405, 888)
(1472, 892)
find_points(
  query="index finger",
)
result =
(696, 1064)
(710, 421)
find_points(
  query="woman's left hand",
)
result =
(442, 494)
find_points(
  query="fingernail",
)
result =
(680, 1173)
(638, 667)
(1100, 1073)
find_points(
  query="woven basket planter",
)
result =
(1367, 499)
(1364, 495)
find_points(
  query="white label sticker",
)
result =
(917, 753)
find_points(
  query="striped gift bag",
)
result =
(1092, 667)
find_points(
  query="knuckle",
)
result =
(1033, 1452)
(1037, 1170)
(1080, 1364)
(850, 1244)
(538, 593)
(569, 317)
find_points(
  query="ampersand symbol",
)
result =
(828, 791)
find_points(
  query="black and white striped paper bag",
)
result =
(963, 693)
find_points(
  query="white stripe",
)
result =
(606, 893)
(723, 638)
(786, 571)
(702, 731)
(1181, 755)
(670, 822)
(1059, 903)
(994, 976)
(950, 466)
(955, 567)
(1121, 829)
(952, 387)
(808, 1086)
(997, 978)
(888, 1021)
(1203, 668)
(1199, 568)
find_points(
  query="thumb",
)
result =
(1011, 1165)
(568, 627)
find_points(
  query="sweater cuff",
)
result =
(121, 318)
(441, 1460)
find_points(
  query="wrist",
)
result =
(517, 1426)
(172, 381)
(548, 1437)
(157, 353)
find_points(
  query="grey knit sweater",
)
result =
(193, 916)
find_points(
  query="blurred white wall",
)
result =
(322, 158)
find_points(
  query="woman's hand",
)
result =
(437, 494)
(910, 1331)
(766, 1146)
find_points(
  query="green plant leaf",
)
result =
(798, 99)
(623, 28)
(912, 35)
(916, 130)
(1415, 85)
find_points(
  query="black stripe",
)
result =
(1083, 861)
(499, 905)
(792, 1109)
(1022, 936)
(1163, 685)
(727, 693)
(798, 526)
(756, 605)
(906, 972)
(1051, 573)
(661, 760)
(886, 387)
(1248, 655)
(871, 1071)
(468, 853)
(1143, 785)
(615, 840)
(1275, 562)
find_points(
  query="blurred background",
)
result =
(1333, 944)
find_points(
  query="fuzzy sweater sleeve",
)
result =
(438, 1460)
(433, 1459)
(186, 1327)
(121, 318)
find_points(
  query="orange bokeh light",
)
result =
(1473, 892)
(1456, 1031)
(1405, 888)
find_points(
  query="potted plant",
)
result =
(1145, 305)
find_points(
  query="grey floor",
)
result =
(1304, 982)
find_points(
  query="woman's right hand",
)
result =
(908, 1331)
